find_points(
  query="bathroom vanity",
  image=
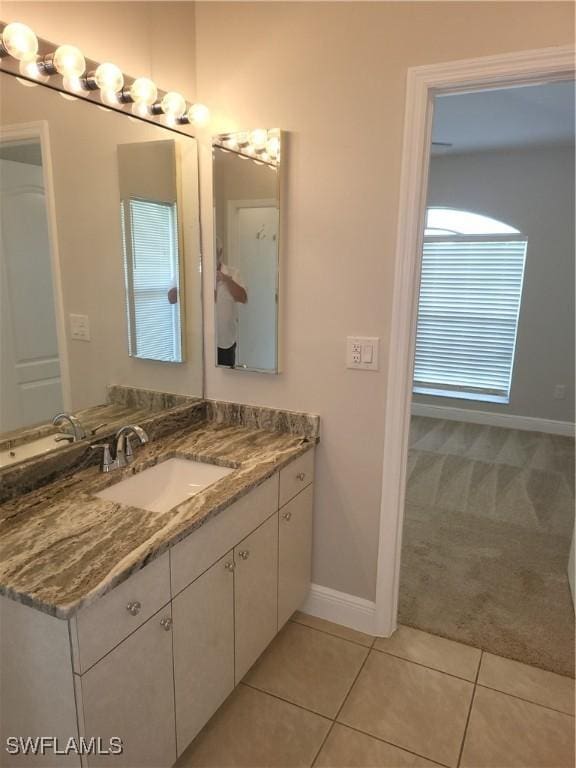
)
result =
(124, 622)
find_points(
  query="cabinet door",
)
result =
(130, 694)
(203, 648)
(256, 594)
(294, 553)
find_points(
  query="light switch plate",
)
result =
(362, 352)
(80, 327)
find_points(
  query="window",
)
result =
(150, 237)
(470, 292)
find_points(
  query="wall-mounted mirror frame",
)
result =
(247, 182)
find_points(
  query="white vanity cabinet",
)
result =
(255, 594)
(152, 660)
(203, 639)
(130, 694)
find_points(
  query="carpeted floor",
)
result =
(489, 518)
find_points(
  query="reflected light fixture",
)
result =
(261, 145)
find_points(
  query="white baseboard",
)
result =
(348, 610)
(508, 420)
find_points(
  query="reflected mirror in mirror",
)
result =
(151, 244)
(99, 261)
(246, 172)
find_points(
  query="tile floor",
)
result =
(325, 696)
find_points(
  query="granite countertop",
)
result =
(61, 548)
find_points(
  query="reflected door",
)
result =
(30, 385)
(256, 258)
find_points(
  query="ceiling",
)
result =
(535, 115)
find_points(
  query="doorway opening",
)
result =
(464, 391)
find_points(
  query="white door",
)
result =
(256, 594)
(203, 648)
(30, 384)
(256, 257)
(294, 553)
(130, 694)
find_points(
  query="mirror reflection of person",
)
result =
(229, 293)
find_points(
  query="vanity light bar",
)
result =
(38, 60)
(261, 145)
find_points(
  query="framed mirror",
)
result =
(100, 278)
(246, 174)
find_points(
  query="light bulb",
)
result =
(29, 68)
(231, 142)
(273, 146)
(74, 84)
(140, 109)
(143, 91)
(243, 139)
(198, 114)
(173, 104)
(109, 77)
(69, 61)
(258, 138)
(19, 41)
(110, 97)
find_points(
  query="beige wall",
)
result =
(532, 190)
(333, 75)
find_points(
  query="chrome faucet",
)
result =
(123, 451)
(77, 430)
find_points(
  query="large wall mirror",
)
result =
(99, 257)
(246, 173)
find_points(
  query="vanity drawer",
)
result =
(99, 627)
(196, 553)
(296, 476)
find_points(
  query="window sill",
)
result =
(458, 395)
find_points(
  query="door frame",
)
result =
(423, 84)
(40, 130)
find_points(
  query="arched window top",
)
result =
(451, 221)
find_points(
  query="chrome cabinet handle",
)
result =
(287, 516)
(244, 554)
(134, 607)
(166, 623)
(301, 476)
(230, 565)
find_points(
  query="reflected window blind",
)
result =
(470, 295)
(151, 262)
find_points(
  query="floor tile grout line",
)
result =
(461, 752)
(419, 664)
(528, 701)
(321, 747)
(333, 634)
(390, 743)
(368, 650)
(287, 701)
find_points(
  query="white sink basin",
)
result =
(165, 485)
(27, 450)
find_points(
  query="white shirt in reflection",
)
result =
(227, 309)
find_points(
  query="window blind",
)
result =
(152, 270)
(470, 295)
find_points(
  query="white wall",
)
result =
(533, 190)
(333, 75)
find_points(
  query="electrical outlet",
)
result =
(559, 392)
(362, 352)
(80, 327)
